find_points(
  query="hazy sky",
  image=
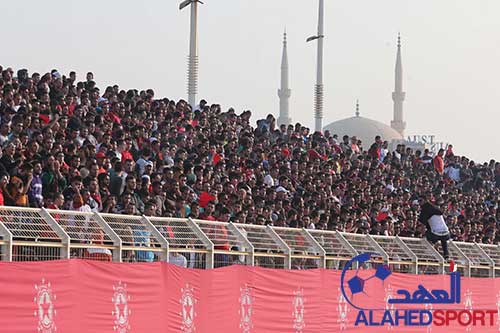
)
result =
(451, 51)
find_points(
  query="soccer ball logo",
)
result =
(298, 310)
(246, 301)
(45, 311)
(188, 311)
(356, 284)
(121, 310)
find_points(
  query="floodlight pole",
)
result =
(318, 88)
(318, 96)
(193, 51)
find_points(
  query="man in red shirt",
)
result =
(124, 149)
(439, 162)
(208, 211)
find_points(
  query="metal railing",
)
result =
(28, 234)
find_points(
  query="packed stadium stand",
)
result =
(82, 165)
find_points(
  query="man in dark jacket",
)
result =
(437, 230)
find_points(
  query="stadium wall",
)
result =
(91, 296)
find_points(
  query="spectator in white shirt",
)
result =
(177, 259)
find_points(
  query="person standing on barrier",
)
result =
(437, 230)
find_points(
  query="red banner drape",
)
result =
(88, 296)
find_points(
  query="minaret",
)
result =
(357, 108)
(284, 92)
(398, 96)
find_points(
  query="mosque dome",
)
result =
(364, 129)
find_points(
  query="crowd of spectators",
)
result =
(67, 144)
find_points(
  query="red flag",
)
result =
(216, 159)
(205, 198)
(453, 268)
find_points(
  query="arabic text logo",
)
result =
(435, 296)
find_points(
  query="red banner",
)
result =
(88, 296)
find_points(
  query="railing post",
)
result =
(409, 252)
(281, 244)
(467, 260)
(162, 240)
(492, 263)
(7, 237)
(117, 241)
(317, 246)
(204, 238)
(436, 254)
(346, 243)
(379, 248)
(250, 258)
(66, 240)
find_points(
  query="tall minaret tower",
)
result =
(284, 92)
(398, 96)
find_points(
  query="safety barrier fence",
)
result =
(28, 234)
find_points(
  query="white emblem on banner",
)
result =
(188, 312)
(246, 303)
(45, 310)
(121, 312)
(343, 310)
(389, 294)
(498, 310)
(468, 303)
(298, 310)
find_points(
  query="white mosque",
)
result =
(364, 129)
